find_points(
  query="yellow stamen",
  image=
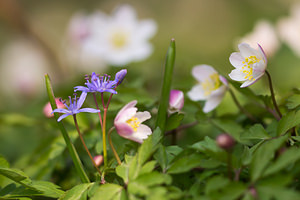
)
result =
(134, 123)
(119, 39)
(249, 61)
(211, 84)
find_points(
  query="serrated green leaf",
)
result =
(288, 121)
(148, 167)
(79, 192)
(123, 171)
(174, 121)
(153, 178)
(293, 101)
(15, 175)
(287, 158)
(185, 164)
(263, 156)
(256, 131)
(108, 191)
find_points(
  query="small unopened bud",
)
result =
(225, 141)
(253, 192)
(176, 101)
(98, 160)
(48, 109)
(120, 76)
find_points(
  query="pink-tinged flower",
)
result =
(128, 123)
(211, 87)
(176, 101)
(98, 160)
(250, 64)
(48, 109)
(263, 33)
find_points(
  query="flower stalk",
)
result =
(112, 146)
(273, 94)
(85, 147)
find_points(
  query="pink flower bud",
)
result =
(48, 110)
(225, 141)
(176, 101)
(98, 160)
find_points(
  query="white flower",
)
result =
(128, 123)
(176, 101)
(250, 64)
(264, 34)
(118, 39)
(211, 87)
(23, 66)
(289, 29)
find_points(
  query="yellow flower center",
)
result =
(134, 123)
(248, 67)
(211, 84)
(119, 39)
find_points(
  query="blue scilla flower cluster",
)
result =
(94, 83)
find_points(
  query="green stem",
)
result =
(242, 109)
(112, 146)
(73, 153)
(166, 87)
(104, 137)
(85, 147)
(273, 94)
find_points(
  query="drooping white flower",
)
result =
(263, 33)
(176, 101)
(250, 64)
(289, 29)
(211, 87)
(128, 123)
(117, 39)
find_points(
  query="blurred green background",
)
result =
(205, 31)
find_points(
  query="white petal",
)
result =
(125, 13)
(236, 59)
(145, 30)
(247, 51)
(248, 83)
(212, 103)
(143, 116)
(126, 112)
(141, 134)
(202, 72)
(237, 75)
(197, 93)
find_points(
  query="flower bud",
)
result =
(176, 101)
(225, 141)
(120, 76)
(48, 110)
(98, 160)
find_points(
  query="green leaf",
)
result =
(153, 178)
(166, 87)
(48, 189)
(263, 156)
(79, 192)
(290, 120)
(16, 175)
(108, 191)
(3, 162)
(216, 183)
(185, 164)
(174, 121)
(229, 126)
(73, 153)
(123, 171)
(256, 131)
(293, 101)
(148, 167)
(287, 158)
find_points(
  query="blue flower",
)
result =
(74, 107)
(97, 83)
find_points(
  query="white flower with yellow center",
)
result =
(250, 64)
(121, 38)
(128, 123)
(211, 87)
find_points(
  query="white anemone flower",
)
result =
(121, 38)
(289, 29)
(263, 33)
(211, 87)
(250, 64)
(128, 123)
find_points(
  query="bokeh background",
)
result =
(206, 32)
